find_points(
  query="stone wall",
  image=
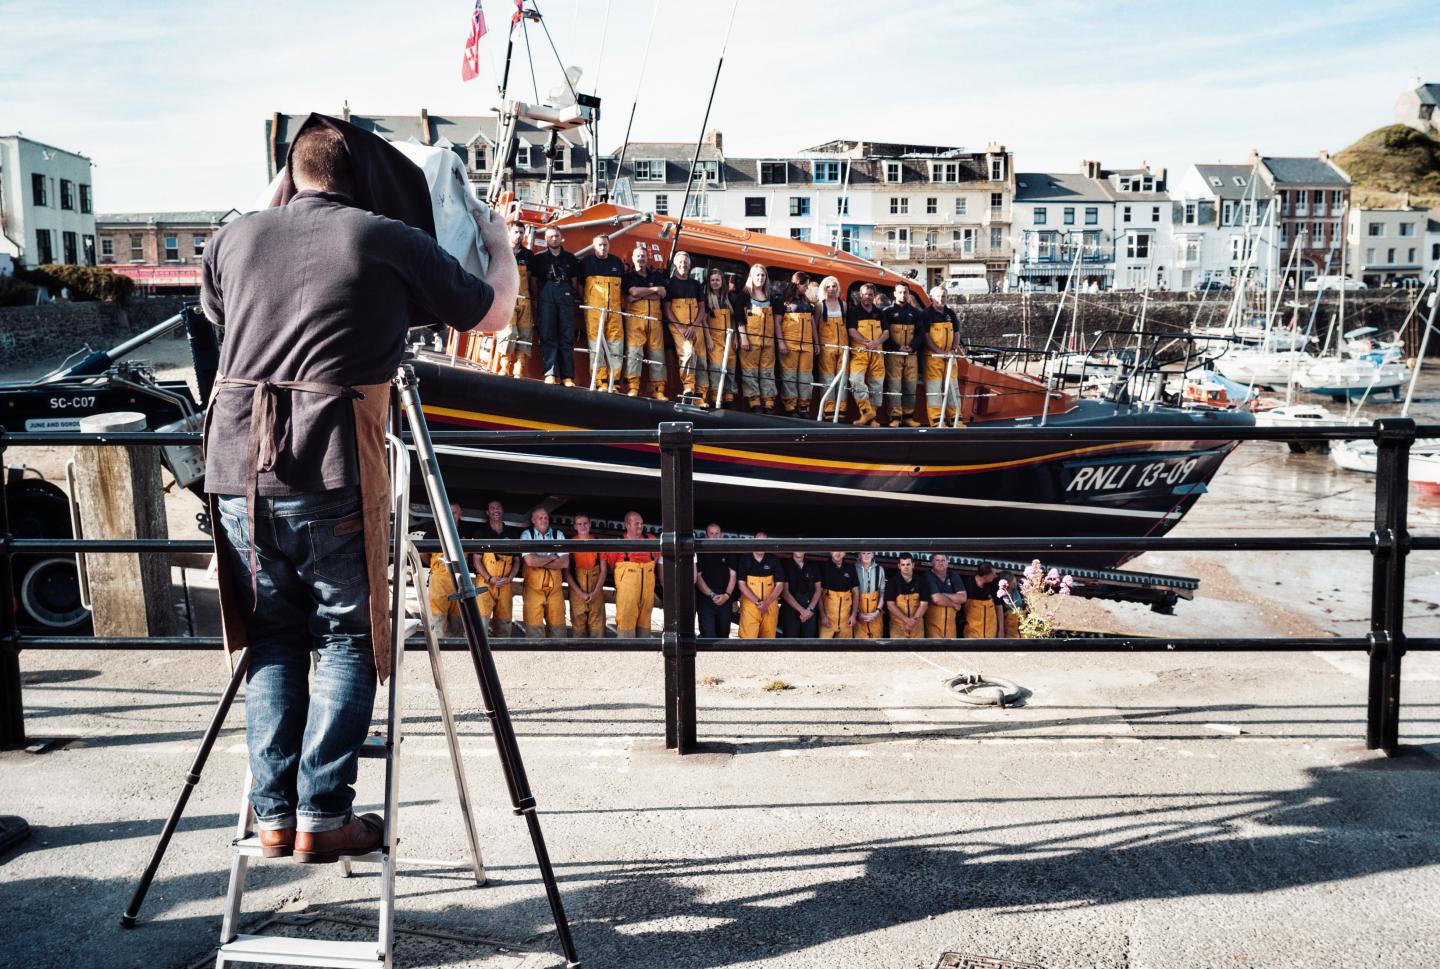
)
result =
(46, 335)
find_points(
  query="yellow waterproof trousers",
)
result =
(940, 622)
(835, 607)
(544, 599)
(587, 619)
(516, 339)
(901, 373)
(757, 364)
(982, 619)
(645, 348)
(689, 350)
(867, 371)
(832, 350)
(716, 363)
(496, 602)
(935, 391)
(797, 363)
(634, 597)
(875, 628)
(909, 605)
(604, 330)
(753, 623)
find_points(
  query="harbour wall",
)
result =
(40, 335)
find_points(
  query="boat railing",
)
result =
(1388, 542)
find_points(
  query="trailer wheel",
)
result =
(46, 587)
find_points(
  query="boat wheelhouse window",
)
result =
(754, 206)
(799, 205)
(842, 205)
(802, 235)
(1092, 215)
(827, 172)
(932, 205)
(773, 173)
(1040, 215)
(649, 170)
(961, 206)
(899, 205)
(662, 204)
(1069, 215)
(893, 172)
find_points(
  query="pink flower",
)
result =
(1053, 576)
(1003, 587)
(1064, 590)
(1068, 581)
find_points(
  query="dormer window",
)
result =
(827, 172)
(1215, 181)
(892, 171)
(773, 173)
(1125, 183)
(522, 156)
(1147, 184)
(997, 169)
(945, 171)
(649, 170)
(708, 171)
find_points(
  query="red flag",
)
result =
(470, 66)
(519, 12)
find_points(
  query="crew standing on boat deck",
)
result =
(800, 602)
(601, 273)
(867, 365)
(556, 274)
(517, 339)
(907, 602)
(941, 350)
(544, 597)
(634, 583)
(295, 466)
(715, 587)
(905, 324)
(644, 332)
(720, 318)
(831, 338)
(586, 578)
(685, 313)
(762, 583)
(797, 348)
(496, 572)
(983, 619)
(757, 341)
(946, 593)
(840, 603)
(870, 589)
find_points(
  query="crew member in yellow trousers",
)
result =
(644, 329)
(905, 322)
(867, 365)
(634, 583)
(761, 583)
(757, 341)
(946, 593)
(1011, 602)
(586, 578)
(725, 348)
(797, 348)
(983, 619)
(831, 338)
(940, 342)
(544, 596)
(685, 314)
(840, 602)
(870, 592)
(517, 339)
(444, 611)
(495, 572)
(907, 602)
(600, 277)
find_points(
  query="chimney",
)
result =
(1254, 157)
(1324, 155)
(1091, 169)
(1160, 179)
(715, 139)
(425, 138)
(345, 110)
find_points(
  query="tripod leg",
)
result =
(192, 776)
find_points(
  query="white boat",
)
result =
(1347, 379)
(1425, 473)
(1362, 455)
(1253, 366)
(1296, 415)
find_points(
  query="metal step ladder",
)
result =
(236, 947)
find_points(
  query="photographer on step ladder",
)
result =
(315, 295)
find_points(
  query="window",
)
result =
(944, 171)
(1247, 216)
(827, 172)
(1190, 250)
(560, 160)
(1390, 256)
(1376, 230)
(1407, 229)
(699, 208)
(1045, 248)
(107, 250)
(172, 248)
(70, 244)
(1124, 213)
(1284, 233)
(707, 171)
(754, 207)
(662, 204)
(997, 237)
(1215, 181)
(1154, 213)
(37, 189)
(1435, 250)
(932, 205)
(1125, 185)
(1040, 215)
(892, 171)
(967, 240)
(522, 156)
(1069, 215)
(961, 206)
(799, 205)
(997, 204)
(137, 247)
(1137, 245)
(44, 246)
(1189, 213)
(1092, 215)
(85, 201)
(648, 170)
(803, 235)
(1317, 198)
(1337, 200)
(1240, 248)
(67, 197)
(1318, 238)
(842, 205)
(1369, 257)
(1227, 212)
(477, 157)
(773, 173)
(899, 205)
(997, 169)
(1238, 180)
(1411, 256)
(197, 242)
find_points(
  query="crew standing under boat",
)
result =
(644, 334)
(797, 348)
(905, 326)
(800, 602)
(556, 273)
(907, 602)
(634, 582)
(867, 363)
(946, 592)
(601, 273)
(831, 338)
(840, 603)
(496, 572)
(870, 597)
(762, 583)
(544, 596)
(983, 619)
(517, 339)
(685, 314)
(586, 578)
(757, 341)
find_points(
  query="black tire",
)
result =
(46, 587)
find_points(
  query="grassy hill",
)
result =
(1390, 161)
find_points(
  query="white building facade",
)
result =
(1223, 226)
(1386, 247)
(1064, 223)
(47, 205)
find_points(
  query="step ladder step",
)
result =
(374, 748)
(279, 950)
(250, 847)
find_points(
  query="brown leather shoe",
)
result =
(277, 843)
(361, 836)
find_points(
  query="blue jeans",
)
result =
(557, 330)
(304, 738)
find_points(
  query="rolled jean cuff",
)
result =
(316, 823)
(276, 822)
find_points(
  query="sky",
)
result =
(169, 99)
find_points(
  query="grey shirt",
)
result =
(317, 290)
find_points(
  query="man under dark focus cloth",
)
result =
(315, 295)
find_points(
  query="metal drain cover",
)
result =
(961, 960)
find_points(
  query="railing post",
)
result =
(677, 545)
(1393, 436)
(12, 708)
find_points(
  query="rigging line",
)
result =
(551, 40)
(639, 82)
(529, 55)
(705, 123)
